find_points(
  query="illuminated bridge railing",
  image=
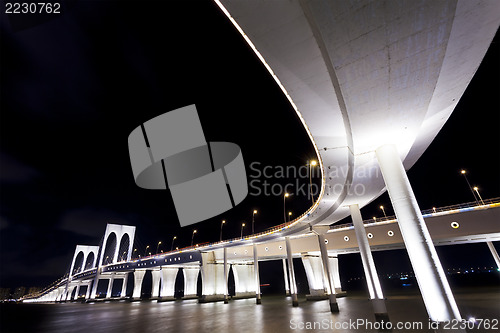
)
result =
(458, 208)
(437, 211)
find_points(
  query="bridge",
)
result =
(372, 82)
(458, 224)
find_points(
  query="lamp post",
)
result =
(383, 210)
(253, 219)
(464, 172)
(479, 195)
(284, 206)
(221, 225)
(146, 250)
(172, 246)
(434, 209)
(158, 246)
(242, 226)
(289, 216)
(192, 237)
(311, 164)
(135, 250)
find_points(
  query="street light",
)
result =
(135, 250)
(464, 172)
(434, 209)
(374, 219)
(289, 216)
(146, 250)
(311, 164)
(172, 246)
(479, 195)
(382, 207)
(192, 238)
(253, 219)
(157, 246)
(242, 226)
(284, 210)
(222, 223)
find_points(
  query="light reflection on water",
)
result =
(274, 315)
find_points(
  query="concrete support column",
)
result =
(244, 280)
(293, 285)
(123, 293)
(190, 281)
(168, 276)
(155, 291)
(138, 277)
(374, 287)
(256, 272)
(77, 290)
(494, 253)
(69, 292)
(89, 291)
(110, 286)
(60, 293)
(285, 275)
(226, 278)
(334, 307)
(315, 278)
(212, 279)
(436, 292)
(334, 271)
(93, 294)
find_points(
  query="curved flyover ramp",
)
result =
(364, 74)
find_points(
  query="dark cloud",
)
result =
(90, 221)
(14, 171)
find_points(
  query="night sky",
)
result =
(74, 85)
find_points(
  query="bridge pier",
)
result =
(256, 272)
(226, 278)
(244, 280)
(123, 292)
(60, 294)
(436, 292)
(190, 281)
(315, 278)
(374, 287)
(89, 290)
(155, 289)
(111, 279)
(285, 276)
(293, 285)
(494, 253)
(334, 307)
(333, 261)
(77, 290)
(167, 291)
(212, 274)
(138, 277)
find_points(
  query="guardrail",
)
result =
(430, 212)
